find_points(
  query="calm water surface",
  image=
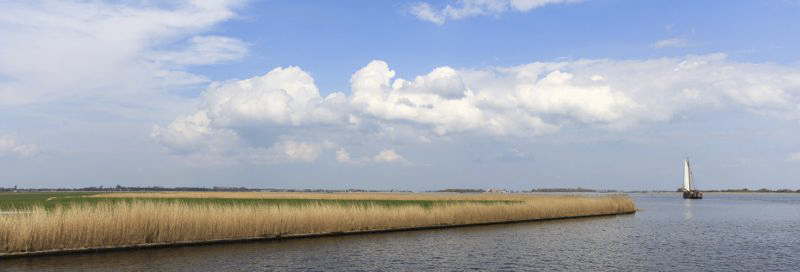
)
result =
(723, 232)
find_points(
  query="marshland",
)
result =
(67, 221)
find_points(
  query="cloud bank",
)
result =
(281, 116)
(60, 50)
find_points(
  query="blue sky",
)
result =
(750, 30)
(413, 95)
(328, 37)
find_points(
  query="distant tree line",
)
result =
(537, 190)
(120, 188)
(460, 191)
(568, 190)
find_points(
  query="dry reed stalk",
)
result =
(124, 224)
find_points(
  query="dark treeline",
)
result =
(571, 190)
(460, 191)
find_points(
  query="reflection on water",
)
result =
(687, 207)
(755, 232)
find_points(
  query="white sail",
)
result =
(687, 177)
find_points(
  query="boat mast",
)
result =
(687, 176)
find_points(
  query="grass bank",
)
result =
(144, 221)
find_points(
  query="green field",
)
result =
(21, 200)
(49, 200)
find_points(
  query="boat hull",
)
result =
(692, 195)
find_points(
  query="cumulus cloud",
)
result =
(244, 120)
(284, 96)
(426, 105)
(123, 48)
(11, 145)
(469, 8)
(190, 133)
(555, 93)
(794, 156)
(520, 101)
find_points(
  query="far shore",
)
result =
(717, 192)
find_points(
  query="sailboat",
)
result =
(688, 191)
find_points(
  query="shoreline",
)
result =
(77, 251)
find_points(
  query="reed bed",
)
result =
(142, 222)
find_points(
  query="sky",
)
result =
(412, 95)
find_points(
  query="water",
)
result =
(723, 232)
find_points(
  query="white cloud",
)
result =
(278, 101)
(470, 8)
(520, 101)
(556, 94)
(794, 156)
(389, 155)
(55, 50)
(13, 146)
(203, 50)
(190, 133)
(424, 104)
(425, 12)
(284, 96)
(672, 43)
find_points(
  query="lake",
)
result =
(723, 232)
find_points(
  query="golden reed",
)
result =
(142, 222)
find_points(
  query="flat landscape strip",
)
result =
(52, 203)
(131, 223)
(338, 196)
